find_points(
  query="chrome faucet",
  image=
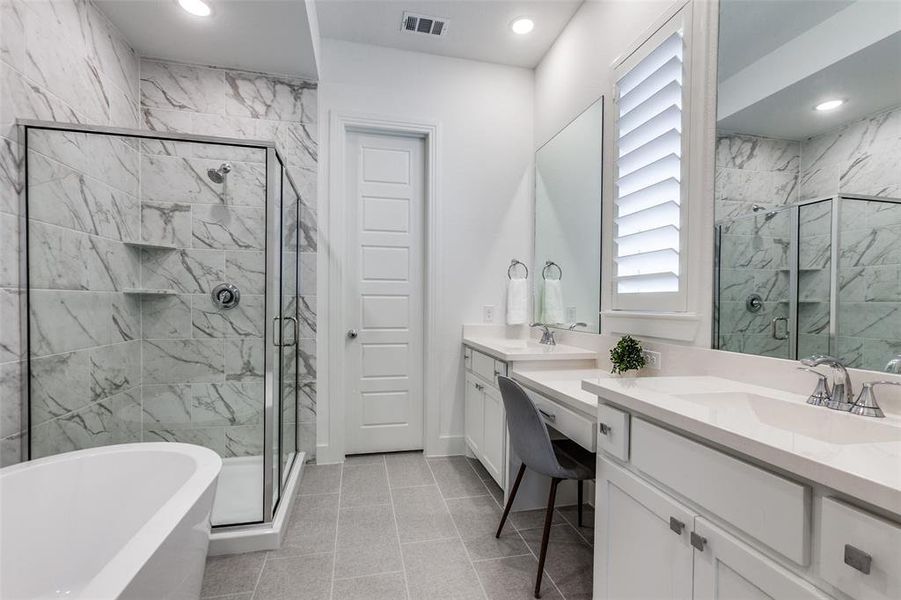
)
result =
(547, 336)
(579, 324)
(894, 365)
(866, 404)
(842, 396)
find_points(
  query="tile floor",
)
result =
(401, 526)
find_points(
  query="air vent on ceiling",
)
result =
(413, 23)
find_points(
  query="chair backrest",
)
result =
(528, 433)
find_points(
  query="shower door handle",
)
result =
(276, 332)
(294, 327)
(775, 326)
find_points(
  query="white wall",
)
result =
(485, 115)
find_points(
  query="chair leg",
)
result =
(522, 471)
(548, 519)
(580, 502)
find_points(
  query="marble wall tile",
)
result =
(9, 250)
(307, 358)
(10, 398)
(877, 320)
(10, 329)
(754, 153)
(166, 223)
(56, 257)
(308, 273)
(62, 321)
(10, 176)
(60, 384)
(217, 152)
(243, 440)
(179, 179)
(210, 437)
(183, 361)
(245, 320)
(306, 401)
(112, 160)
(24, 99)
(247, 270)
(186, 271)
(861, 247)
(166, 405)
(12, 33)
(111, 265)
(115, 368)
(228, 227)
(166, 317)
(307, 317)
(227, 404)
(244, 359)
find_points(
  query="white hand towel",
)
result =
(517, 301)
(552, 310)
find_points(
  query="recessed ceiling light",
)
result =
(829, 105)
(522, 25)
(198, 8)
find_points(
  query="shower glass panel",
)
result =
(129, 235)
(814, 276)
(754, 282)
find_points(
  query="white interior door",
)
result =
(383, 272)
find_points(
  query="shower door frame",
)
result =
(794, 269)
(276, 170)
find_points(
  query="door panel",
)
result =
(637, 553)
(474, 423)
(385, 208)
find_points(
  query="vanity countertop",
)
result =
(513, 350)
(854, 455)
(563, 386)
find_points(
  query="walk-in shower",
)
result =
(818, 276)
(128, 235)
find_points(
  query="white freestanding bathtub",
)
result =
(127, 521)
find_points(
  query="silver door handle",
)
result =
(352, 334)
(276, 333)
(294, 327)
(775, 325)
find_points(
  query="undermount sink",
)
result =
(803, 419)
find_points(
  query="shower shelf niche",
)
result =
(150, 246)
(136, 292)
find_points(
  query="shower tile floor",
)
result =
(399, 526)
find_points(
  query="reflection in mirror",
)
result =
(567, 271)
(808, 183)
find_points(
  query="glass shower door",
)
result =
(290, 325)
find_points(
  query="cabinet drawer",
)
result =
(613, 431)
(768, 507)
(484, 366)
(851, 536)
(575, 427)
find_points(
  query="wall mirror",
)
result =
(808, 180)
(567, 269)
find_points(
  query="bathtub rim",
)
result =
(117, 574)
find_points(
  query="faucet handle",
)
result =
(866, 404)
(821, 394)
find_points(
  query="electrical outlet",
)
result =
(488, 313)
(652, 359)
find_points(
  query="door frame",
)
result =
(331, 305)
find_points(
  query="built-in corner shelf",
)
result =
(137, 292)
(150, 246)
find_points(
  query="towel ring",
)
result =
(513, 265)
(548, 266)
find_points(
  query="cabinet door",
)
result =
(642, 545)
(474, 421)
(495, 435)
(728, 569)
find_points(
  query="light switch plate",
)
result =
(488, 313)
(652, 359)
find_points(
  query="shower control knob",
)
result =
(226, 295)
(352, 334)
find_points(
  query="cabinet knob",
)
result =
(698, 541)
(676, 525)
(605, 429)
(858, 559)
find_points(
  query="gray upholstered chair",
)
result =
(557, 459)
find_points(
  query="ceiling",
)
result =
(869, 80)
(272, 36)
(477, 29)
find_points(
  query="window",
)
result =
(649, 173)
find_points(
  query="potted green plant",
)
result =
(627, 355)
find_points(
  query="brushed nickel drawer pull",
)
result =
(858, 559)
(698, 541)
(676, 525)
(605, 429)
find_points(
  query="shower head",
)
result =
(218, 175)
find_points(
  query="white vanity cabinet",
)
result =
(485, 427)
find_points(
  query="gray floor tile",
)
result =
(530, 519)
(455, 477)
(367, 542)
(320, 479)
(477, 519)
(364, 485)
(247, 596)
(421, 514)
(440, 569)
(296, 578)
(313, 526)
(496, 492)
(407, 469)
(571, 514)
(513, 578)
(390, 586)
(479, 468)
(569, 560)
(355, 460)
(232, 574)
